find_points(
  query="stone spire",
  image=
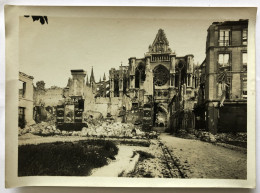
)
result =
(160, 43)
(104, 77)
(100, 79)
(69, 82)
(92, 78)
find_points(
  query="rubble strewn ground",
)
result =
(151, 155)
(100, 129)
(234, 139)
(153, 163)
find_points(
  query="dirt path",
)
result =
(124, 162)
(205, 160)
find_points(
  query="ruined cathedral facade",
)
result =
(150, 83)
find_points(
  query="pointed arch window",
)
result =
(139, 75)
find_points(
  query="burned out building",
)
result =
(222, 105)
(25, 108)
(181, 107)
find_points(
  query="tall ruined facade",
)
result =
(150, 83)
(223, 91)
(119, 81)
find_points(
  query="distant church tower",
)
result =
(92, 81)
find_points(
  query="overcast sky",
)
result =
(48, 52)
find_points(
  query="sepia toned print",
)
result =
(155, 110)
(158, 99)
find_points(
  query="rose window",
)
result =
(161, 75)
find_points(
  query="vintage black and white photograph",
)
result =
(133, 97)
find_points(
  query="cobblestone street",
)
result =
(205, 160)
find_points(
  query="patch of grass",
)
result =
(64, 158)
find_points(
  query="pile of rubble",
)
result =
(195, 134)
(182, 133)
(97, 129)
(42, 129)
(234, 139)
(223, 137)
(238, 139)
(115, 129)
(206, 136)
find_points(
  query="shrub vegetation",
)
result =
(64, 158)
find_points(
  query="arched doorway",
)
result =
(160, 117)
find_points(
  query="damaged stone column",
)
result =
(132, 72)
(148, 83)
(78, 83)
(172, 75)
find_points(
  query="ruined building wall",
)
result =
(107, 105)
(48, 97)
(26, 97)
(101, 105)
